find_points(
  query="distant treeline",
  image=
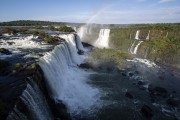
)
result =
(33, 23)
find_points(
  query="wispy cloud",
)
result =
(163, 1)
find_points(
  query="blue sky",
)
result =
(92, 11)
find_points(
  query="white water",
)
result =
(36, 105)
(148, 36)
(23, 42)
(132, 47)
(84, 30)
(137, 46)
(79, 44)
(137, 35)
(103, 40)
(144, 61)
(16, 44)
(66, 81)
(167, 34)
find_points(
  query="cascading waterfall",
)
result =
(65, 80)
(79, 44)
(130, 36)
(137, 46)
(137, 35)
(36, 105)
(133, 50)
(103, 40)
(132, 47)
(167, 34)
(148, 36)
(146, 53)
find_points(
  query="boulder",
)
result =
(158, 91)
(129, 95)
(140, 83)
(5, 51)
(147, 111)
(86, 65)
(10, 43)
(123, 74)
(80, 52)
(4, 64)
(172, 102)
(131, 74)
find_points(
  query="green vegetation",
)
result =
(19, 66)
(49, 39)
(30, 23)
(121, 38)
(111, 55)
(163, 45)
(9, 31)
(65, 29)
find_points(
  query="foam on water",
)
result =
(144, 61)
(23, 42)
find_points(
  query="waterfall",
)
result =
(132, 47)
(71, 45)
(146, 53)
(147, 38)
(75, 29)
(65, 80)
(81, 31)
(103, 40)
(136, 48)
(130, 36)
(137, 35)
(36, 105)
(79, 44)
(167, 34)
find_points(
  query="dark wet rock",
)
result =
(129, 95)
(60, 110)
(80, 52)
(123, 74)
(140, 83)
(173, 91)
(158, 91)
(11, 43)
(110, 69)
(161, 77)
(147, 111)
(86, 44)
(131, 74)
(172, 102)
(136, 72)
(4, 64)
(5, 51)
(86, 65)
(4, 68)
